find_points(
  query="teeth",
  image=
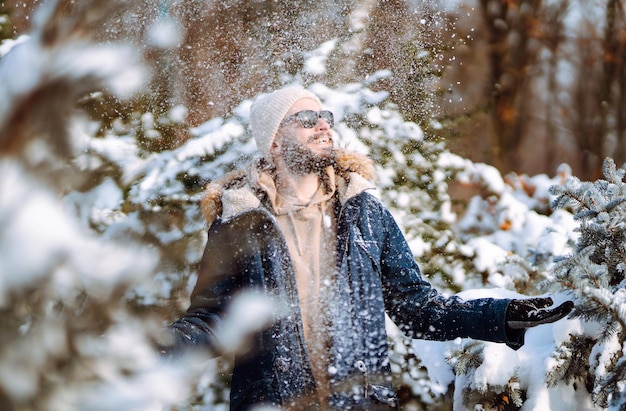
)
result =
(321, 140)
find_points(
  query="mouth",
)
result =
(321, 139)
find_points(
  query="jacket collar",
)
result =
(236, 192)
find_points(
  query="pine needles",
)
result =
(594, 275)
(490, 397)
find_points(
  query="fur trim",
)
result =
(238, 199)
(211, 202)
(352, 185)
(352, 162)
(357, 170)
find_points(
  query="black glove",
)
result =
(531, 312)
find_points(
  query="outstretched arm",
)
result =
(422, 312)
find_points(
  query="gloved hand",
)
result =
(531, 312)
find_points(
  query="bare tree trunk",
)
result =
(609, 68)
(553, 38)
(585, 113)
(615, 66)
(599, 108)
(620, 106)
(511, 59)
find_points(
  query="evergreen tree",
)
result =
(594, 276)
(490, 397)
(69, 339)
(513, 236)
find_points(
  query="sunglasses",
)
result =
(308, 118)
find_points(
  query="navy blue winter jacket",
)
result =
(376, 274)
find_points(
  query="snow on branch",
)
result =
(45, 74)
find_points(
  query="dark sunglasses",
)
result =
(308, 118)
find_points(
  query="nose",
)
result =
(322, 125)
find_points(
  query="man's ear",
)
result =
(276, 145)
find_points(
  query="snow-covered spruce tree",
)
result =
(509, 228)
(68, 338)
(153, 198)
(594, 275)
(511, 236)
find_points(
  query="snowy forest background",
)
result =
(497, 128)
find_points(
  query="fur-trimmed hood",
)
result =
(233, 194)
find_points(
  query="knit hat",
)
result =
(269, 110)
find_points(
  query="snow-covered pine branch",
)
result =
(69, 339)
(44, 74)
(594, 275)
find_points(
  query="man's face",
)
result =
(305, 150)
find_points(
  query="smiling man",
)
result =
(298, 224)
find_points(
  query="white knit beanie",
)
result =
(269, 110)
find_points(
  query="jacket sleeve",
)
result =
(422, 312)
(214, 286)
(228, 259)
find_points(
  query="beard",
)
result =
(301, 160)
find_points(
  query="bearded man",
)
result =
(299, 224)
